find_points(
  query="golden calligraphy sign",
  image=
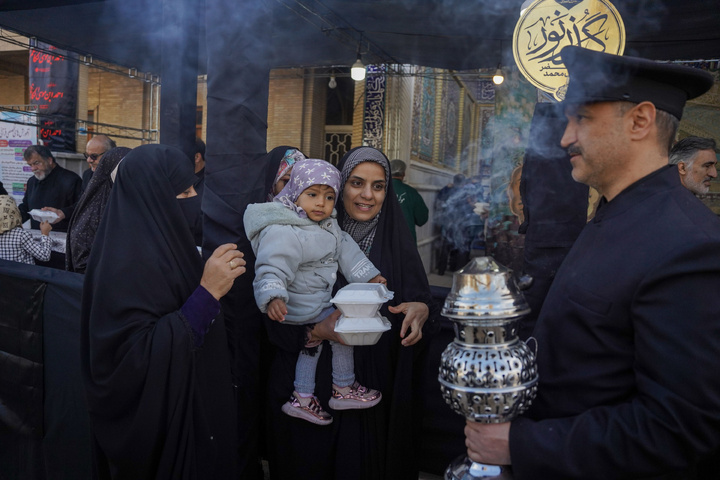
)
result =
(549, 25)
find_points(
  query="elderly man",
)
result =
(695, 158)
(51, 188)
(94, 150)
(628, 338)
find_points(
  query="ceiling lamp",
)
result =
(332, 83)
(498, 78)
(357, 71)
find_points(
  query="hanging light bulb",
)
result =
(332, 83)
(357, 71)
(498, 78)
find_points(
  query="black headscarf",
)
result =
(89, 210)
(151, 394)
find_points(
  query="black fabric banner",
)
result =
(53, 88)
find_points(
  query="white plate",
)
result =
(42, 215)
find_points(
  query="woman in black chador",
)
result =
(382, 442)
(154, 348)
(89, 211)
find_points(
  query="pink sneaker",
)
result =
(354, 396)
(306, 409)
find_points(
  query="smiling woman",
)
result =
(364, 191)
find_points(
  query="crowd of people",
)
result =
(188, 363)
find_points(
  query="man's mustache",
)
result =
(573, 150)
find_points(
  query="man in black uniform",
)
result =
(51, 187)
(629, 334)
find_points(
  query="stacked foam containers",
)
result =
(361, 322)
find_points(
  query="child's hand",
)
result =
(277, 310)
(45, 227)
(378, 279)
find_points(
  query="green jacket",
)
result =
(412, 204)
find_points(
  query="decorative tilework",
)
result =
(485, 91)
(374, 118)
(423, 136)
(450, 121)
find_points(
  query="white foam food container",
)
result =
(361, 299)
(361, 330)
(42, 215)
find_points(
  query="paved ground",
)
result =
(440, 280)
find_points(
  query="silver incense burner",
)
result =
(486, 373)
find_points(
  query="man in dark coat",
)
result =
(628, 337)
(51, 187)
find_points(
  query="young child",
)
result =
(16, 243)
(299, 248)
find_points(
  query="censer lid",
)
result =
(484, 289)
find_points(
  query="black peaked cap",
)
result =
(602, 77)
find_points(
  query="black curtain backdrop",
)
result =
(58, 447)
(238, 63)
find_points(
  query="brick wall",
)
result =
(14, 91)
(313, 144)
(202, 102)
(117, 100)
(296, 111)
(285, 108)
(358, 112)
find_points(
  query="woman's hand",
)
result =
(325, 330)
(221, 270)
(416, 314)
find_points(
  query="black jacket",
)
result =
(60, 189)
(628, 344)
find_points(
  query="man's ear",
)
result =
(642, 117)
(682, 168)
(198, 157)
